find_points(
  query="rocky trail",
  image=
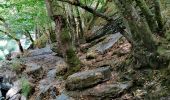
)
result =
(39, 74)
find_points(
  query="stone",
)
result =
(91, 55)
(63, 97)
(89, 78)
(23, 97)
(15, 97)
(1, 95)
(14, 90)
(106, 90)
(4, 88)
(47, 89)
(42, 51)
(109, 89)
(52, 73)
(106, 44)
(61, 67)
(35, 70)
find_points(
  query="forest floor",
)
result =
(106, 75)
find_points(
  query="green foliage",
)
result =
(73, 62)
(72, 58)
(53, 37)
(168, 35)
(26, 87)
(41, 42)
(16, 66)
(22, 15)
(65, 36)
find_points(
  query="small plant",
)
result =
(26, 87)
(16, 66)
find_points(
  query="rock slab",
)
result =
(85, 79)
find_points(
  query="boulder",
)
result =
(106, 90)
(106, 44)
(91, 55)
(85, 79)
(15, 97)
(36, 52)
(63, 97)
(23, 97)
(14, 90)
(61, 67)
(35, 70)
(51, 73)
(47, 89)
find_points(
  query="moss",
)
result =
(17, 66)
(65, 36)
(26, 87)
(72, 58)
(148, 14)
(41, 42)
(167, 35)
(73, 62)
(53, 37)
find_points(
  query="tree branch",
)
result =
(89, 9)
(9, 35)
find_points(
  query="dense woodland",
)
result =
(85, 49)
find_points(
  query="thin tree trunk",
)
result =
(30, 37)
(20, 46)
(148, 14)
(64, 41)
(80, 28)
(158, 16)
(144, 48)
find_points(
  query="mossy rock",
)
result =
(81, 80)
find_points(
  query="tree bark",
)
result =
(148, 14)
(64, 40)
(144, 48)
(158, 16)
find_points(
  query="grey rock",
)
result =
(47, 88)
(165, 98)
(0, 94)
(63, 97)
(34, 69)
(42, 51)
(23, 97)
(109, 89)
(61, 67)
(15, 97)
(81, 80)
(44, 85)
(51, 73)
(102, 90)
(14, 90)
(106, 43)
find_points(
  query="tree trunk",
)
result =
(80, 28)
(144, 47)
(20, 46)
(148, 14)
(64, 40)
(158, 16)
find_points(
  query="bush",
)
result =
(26, 87)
